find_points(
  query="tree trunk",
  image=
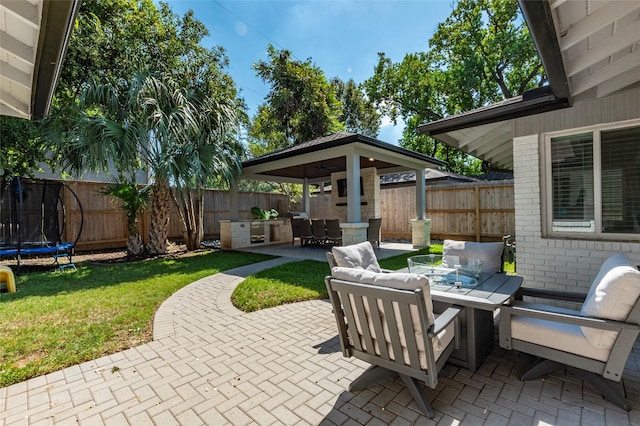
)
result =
(159, 226)
(135, 246)
(194, 227)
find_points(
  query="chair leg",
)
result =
(611, 392)
(371, 375)
(375, 373)
(540, 367)
(417, 394)
(605, 387)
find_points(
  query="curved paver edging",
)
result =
(214, 288)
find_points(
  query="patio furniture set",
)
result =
(411, 324)
(327, 232)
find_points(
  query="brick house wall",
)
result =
(561, 264)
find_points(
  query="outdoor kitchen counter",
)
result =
(249, 233)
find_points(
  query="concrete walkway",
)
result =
(212, 364)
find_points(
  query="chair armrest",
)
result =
(575, 319)
(444, 319)
(543, 293)
(387, 271)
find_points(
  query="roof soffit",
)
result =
(33, 38)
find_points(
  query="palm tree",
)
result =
(182, 136)
(134, 199)
(193, 140)
(213, 154)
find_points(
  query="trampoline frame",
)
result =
(56, 248)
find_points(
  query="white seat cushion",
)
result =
(360, 256)
(613, 294)
(489, 253)
(564, 337)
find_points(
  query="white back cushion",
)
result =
(489, 253)
(399, 280)
(402, 281)
(360, 256)
(613, 294)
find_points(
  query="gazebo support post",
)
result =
(421, 226)
(234, 212)
(305, 196)
(354, 231)
(353, 188)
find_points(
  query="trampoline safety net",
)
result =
(31, 212)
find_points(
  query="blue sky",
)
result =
(341, 37)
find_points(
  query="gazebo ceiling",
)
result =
(316, 160)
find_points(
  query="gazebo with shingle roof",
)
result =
(316, 161)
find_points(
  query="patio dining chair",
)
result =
(295, 230)
(334, 233)
(373, 231)
(318, 231)
(594, 342)
(306, 235)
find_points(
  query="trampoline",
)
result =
(33, 220)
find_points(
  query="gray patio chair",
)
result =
(491, 254)
(373, 231)
(295, 230)
(387, 320)
(318, 231)
(594, 342)
(306, 235)
(334, 233)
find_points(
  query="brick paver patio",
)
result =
(214, 365)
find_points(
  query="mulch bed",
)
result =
(46, 263)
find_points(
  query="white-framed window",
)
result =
(593, 181)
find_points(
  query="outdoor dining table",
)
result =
(476, 320)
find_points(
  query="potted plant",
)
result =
(263, 214)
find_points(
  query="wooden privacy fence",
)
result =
(480, 211)
(475, 211)
(105, 224)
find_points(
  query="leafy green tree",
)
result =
(487, 53)
(21, 152)
(358, 114)
(113, 41)
(481, 54)
(211, 153)
(183, 136)
(300, 106)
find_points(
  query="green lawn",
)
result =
(298, 281)
(288, 283)
(58, 319)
